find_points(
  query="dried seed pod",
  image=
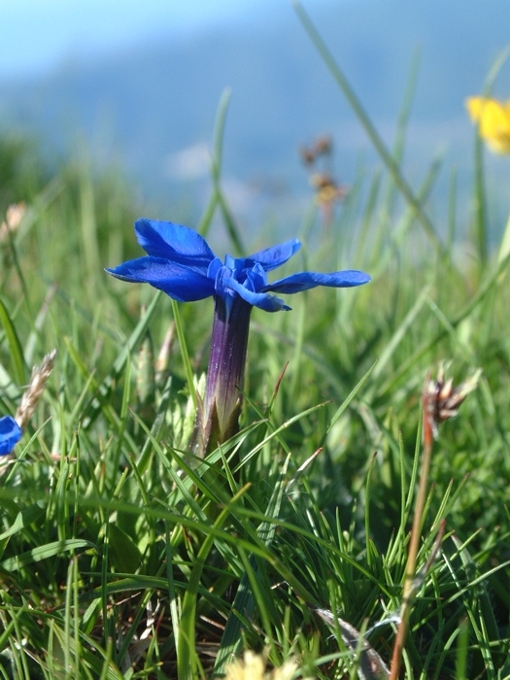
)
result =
(441, 400)
(33, 393)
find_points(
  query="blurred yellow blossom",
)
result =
(253, 667)
(493, 118)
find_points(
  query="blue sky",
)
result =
(37, 34)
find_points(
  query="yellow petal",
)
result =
(474, 105)
(499, 144)
(493, 118)
(286, 671)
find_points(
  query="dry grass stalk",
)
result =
(440, 401)
(30, 399)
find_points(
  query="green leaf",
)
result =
(15, 349)
(44, 552)
(124, 553)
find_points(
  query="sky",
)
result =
(36, 35)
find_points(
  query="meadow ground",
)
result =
(121, 557)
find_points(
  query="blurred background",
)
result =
(136, 86)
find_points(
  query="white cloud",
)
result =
(193, 162)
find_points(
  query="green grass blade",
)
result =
(15, 349)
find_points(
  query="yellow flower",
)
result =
(253, 667)
(493, 118)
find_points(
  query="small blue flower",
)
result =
(10, 434)
(180, 263)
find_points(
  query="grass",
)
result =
(120, 557)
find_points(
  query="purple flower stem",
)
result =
(218, 419)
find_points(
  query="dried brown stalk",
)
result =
(30, 399)
(440, 401)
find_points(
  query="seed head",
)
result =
(441, 400)
(30, 399)
(13, 218)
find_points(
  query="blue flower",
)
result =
(180, 263)
(10, 434)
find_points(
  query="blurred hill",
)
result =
(152, 108)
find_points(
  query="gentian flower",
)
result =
(10, 434)
(180, 263)
(493, 118)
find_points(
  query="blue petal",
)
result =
(173, 241)
(306, 280)
(256, 279)
(182, 283)
(274, 257)
(269, 303)
(10, 434)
